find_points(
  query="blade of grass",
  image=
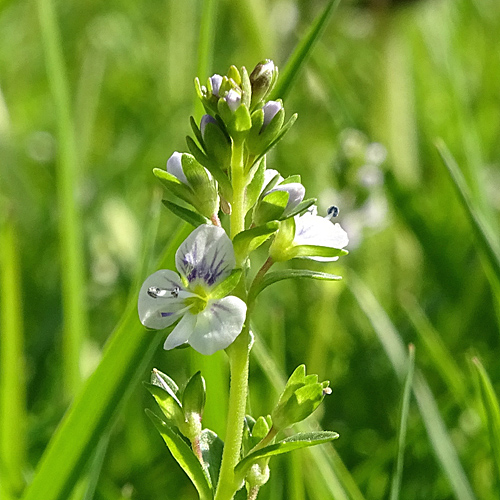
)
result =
(487, 240)
(206, 44)
(70, 227)
(12, 367)
(437, 350)
(403, 424)
(302, 51)
(390, 339)
(492, 411)
(331, 470)
(128, 353)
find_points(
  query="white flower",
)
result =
(204, 260)
(311, 229)
(296, 191)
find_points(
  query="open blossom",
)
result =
(204, 260)
(312, 229)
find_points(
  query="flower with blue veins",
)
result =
(207, 322)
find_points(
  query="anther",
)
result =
(333, 211)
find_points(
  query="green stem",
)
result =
(238, 353)
(238, 180)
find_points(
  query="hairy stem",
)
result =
(238, 180)
(238, 353)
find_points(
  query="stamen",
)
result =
(333, 211)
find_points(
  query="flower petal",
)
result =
(296, 192)
(206, 257)
(215, 81)
(315, 230)
(165, 309)
(182, 331)
(270, 109)
(218, 325)
(174, 167)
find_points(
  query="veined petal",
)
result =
(182, 331)
(218, 325)
(206, 257)
(174, 167)
(164, 309)
(315, 230)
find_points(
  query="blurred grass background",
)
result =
(86, 115)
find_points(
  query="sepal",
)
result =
(301, 396)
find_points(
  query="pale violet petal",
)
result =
(215, 81)
(205, 119)
(174, 167)
(182, 331)
(319, 231)
(269, 175)
(165, 309)
(206, 257)
(218, 325)
(233, 100)
(296, 192)
(271, 108)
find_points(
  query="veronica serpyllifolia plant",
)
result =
(209, 300)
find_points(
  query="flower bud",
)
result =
(262, 80)
(190, 181)
(301, 396)
(271, 109)
(233, 99)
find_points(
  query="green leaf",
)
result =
(280, 136)
(242, 120)
(492, 411)
(317, 251)
(174, 185)
(194, 395)
(300, 208)
(169, 405)
(227, 286)
(163, 381)
(211, 451)
(191, 217)
(295, 442)
(127, 354)
(254, 188)
(488, 241)
(403, 423)
(249, 240)
(271, 207)
(301, 53)
(275, 276)
(184, 456)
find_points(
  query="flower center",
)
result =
(198, 302)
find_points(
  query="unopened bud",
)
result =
(262, 80)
